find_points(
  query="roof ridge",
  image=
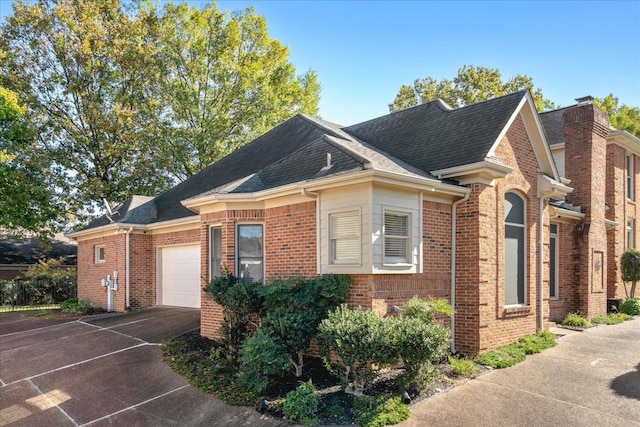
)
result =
(322, 124)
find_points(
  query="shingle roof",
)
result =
(411, 142)
(552, 123)
(30, 250)
(433, 136)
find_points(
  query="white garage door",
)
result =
(180, 276)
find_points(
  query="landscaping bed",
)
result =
(189, 355)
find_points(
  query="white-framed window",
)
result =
(631, 241)
(344, 241)
(250, 253)
(554, 258)
(630, 177)
(397, 237)
(215, 249)
(100, 254)
(514, 250)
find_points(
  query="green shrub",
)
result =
(631, 306)
(360, 340)
(418, 344)
(380, 411)
(302, 403)
(542, 340)
(611, 319)
(502, 357)
(261, 357)
(575, 320)
(462, 366)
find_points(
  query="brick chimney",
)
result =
(585, 128)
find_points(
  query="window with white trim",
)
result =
(397, 239)
(630, 177)
(345, 242)
(215, 250)
(554, 257)
(250, 253)
(631, 243)
(100, 256)
(514, 250)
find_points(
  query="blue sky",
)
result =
(363, 51)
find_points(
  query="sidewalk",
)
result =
(590, 378)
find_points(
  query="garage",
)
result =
(179, 279)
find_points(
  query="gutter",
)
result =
(454, 211)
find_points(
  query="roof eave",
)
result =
(484, 172)
(625, 139)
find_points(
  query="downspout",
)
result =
(541, 266)
(454, 210)
(127, 276)
(315, 196)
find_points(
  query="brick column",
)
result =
(585, 129)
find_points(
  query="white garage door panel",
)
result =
(181, 276)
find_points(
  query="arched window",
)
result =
(514, 250)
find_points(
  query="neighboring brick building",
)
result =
(465, 204)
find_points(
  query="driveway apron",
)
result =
(103, 370)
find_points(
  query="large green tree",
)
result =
(224, 82)
(26, 203)
(472, 84)
(81, 68)
(620, 116)
(126, 98)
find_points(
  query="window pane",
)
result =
(553, 262)
(395, 248)
(513, 209)
(216, 252)
(514, 265)
(250, 241)
(345, 238)
(396, 225)
(250, 253)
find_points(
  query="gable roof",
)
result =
(434, 136)
(410, 143)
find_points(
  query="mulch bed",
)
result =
(334, 404)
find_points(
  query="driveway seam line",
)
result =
(102, 328)
(37, 329)
(76, 364)
(134, 406)
(53, 403)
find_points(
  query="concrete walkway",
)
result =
(590, 378)
(104, 371)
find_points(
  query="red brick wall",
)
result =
(558, 308)
(482, 320)
(142, 291)
(91, 273)
(621, 209)
(585, 128)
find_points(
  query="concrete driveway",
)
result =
(590, 378)
(103, 370)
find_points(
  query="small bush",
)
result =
(75, 306)
(611, 319)
(575, 320)
(502, 357)
(631, 307)
(532, 344)
(380, 411)
(462, 366)
(302, 403)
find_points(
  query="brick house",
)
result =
(491, 206)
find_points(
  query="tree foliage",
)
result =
(630, 269)
(621, 117)
(224, 82)
(472, 84)
(126, 98)
(26, 205)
